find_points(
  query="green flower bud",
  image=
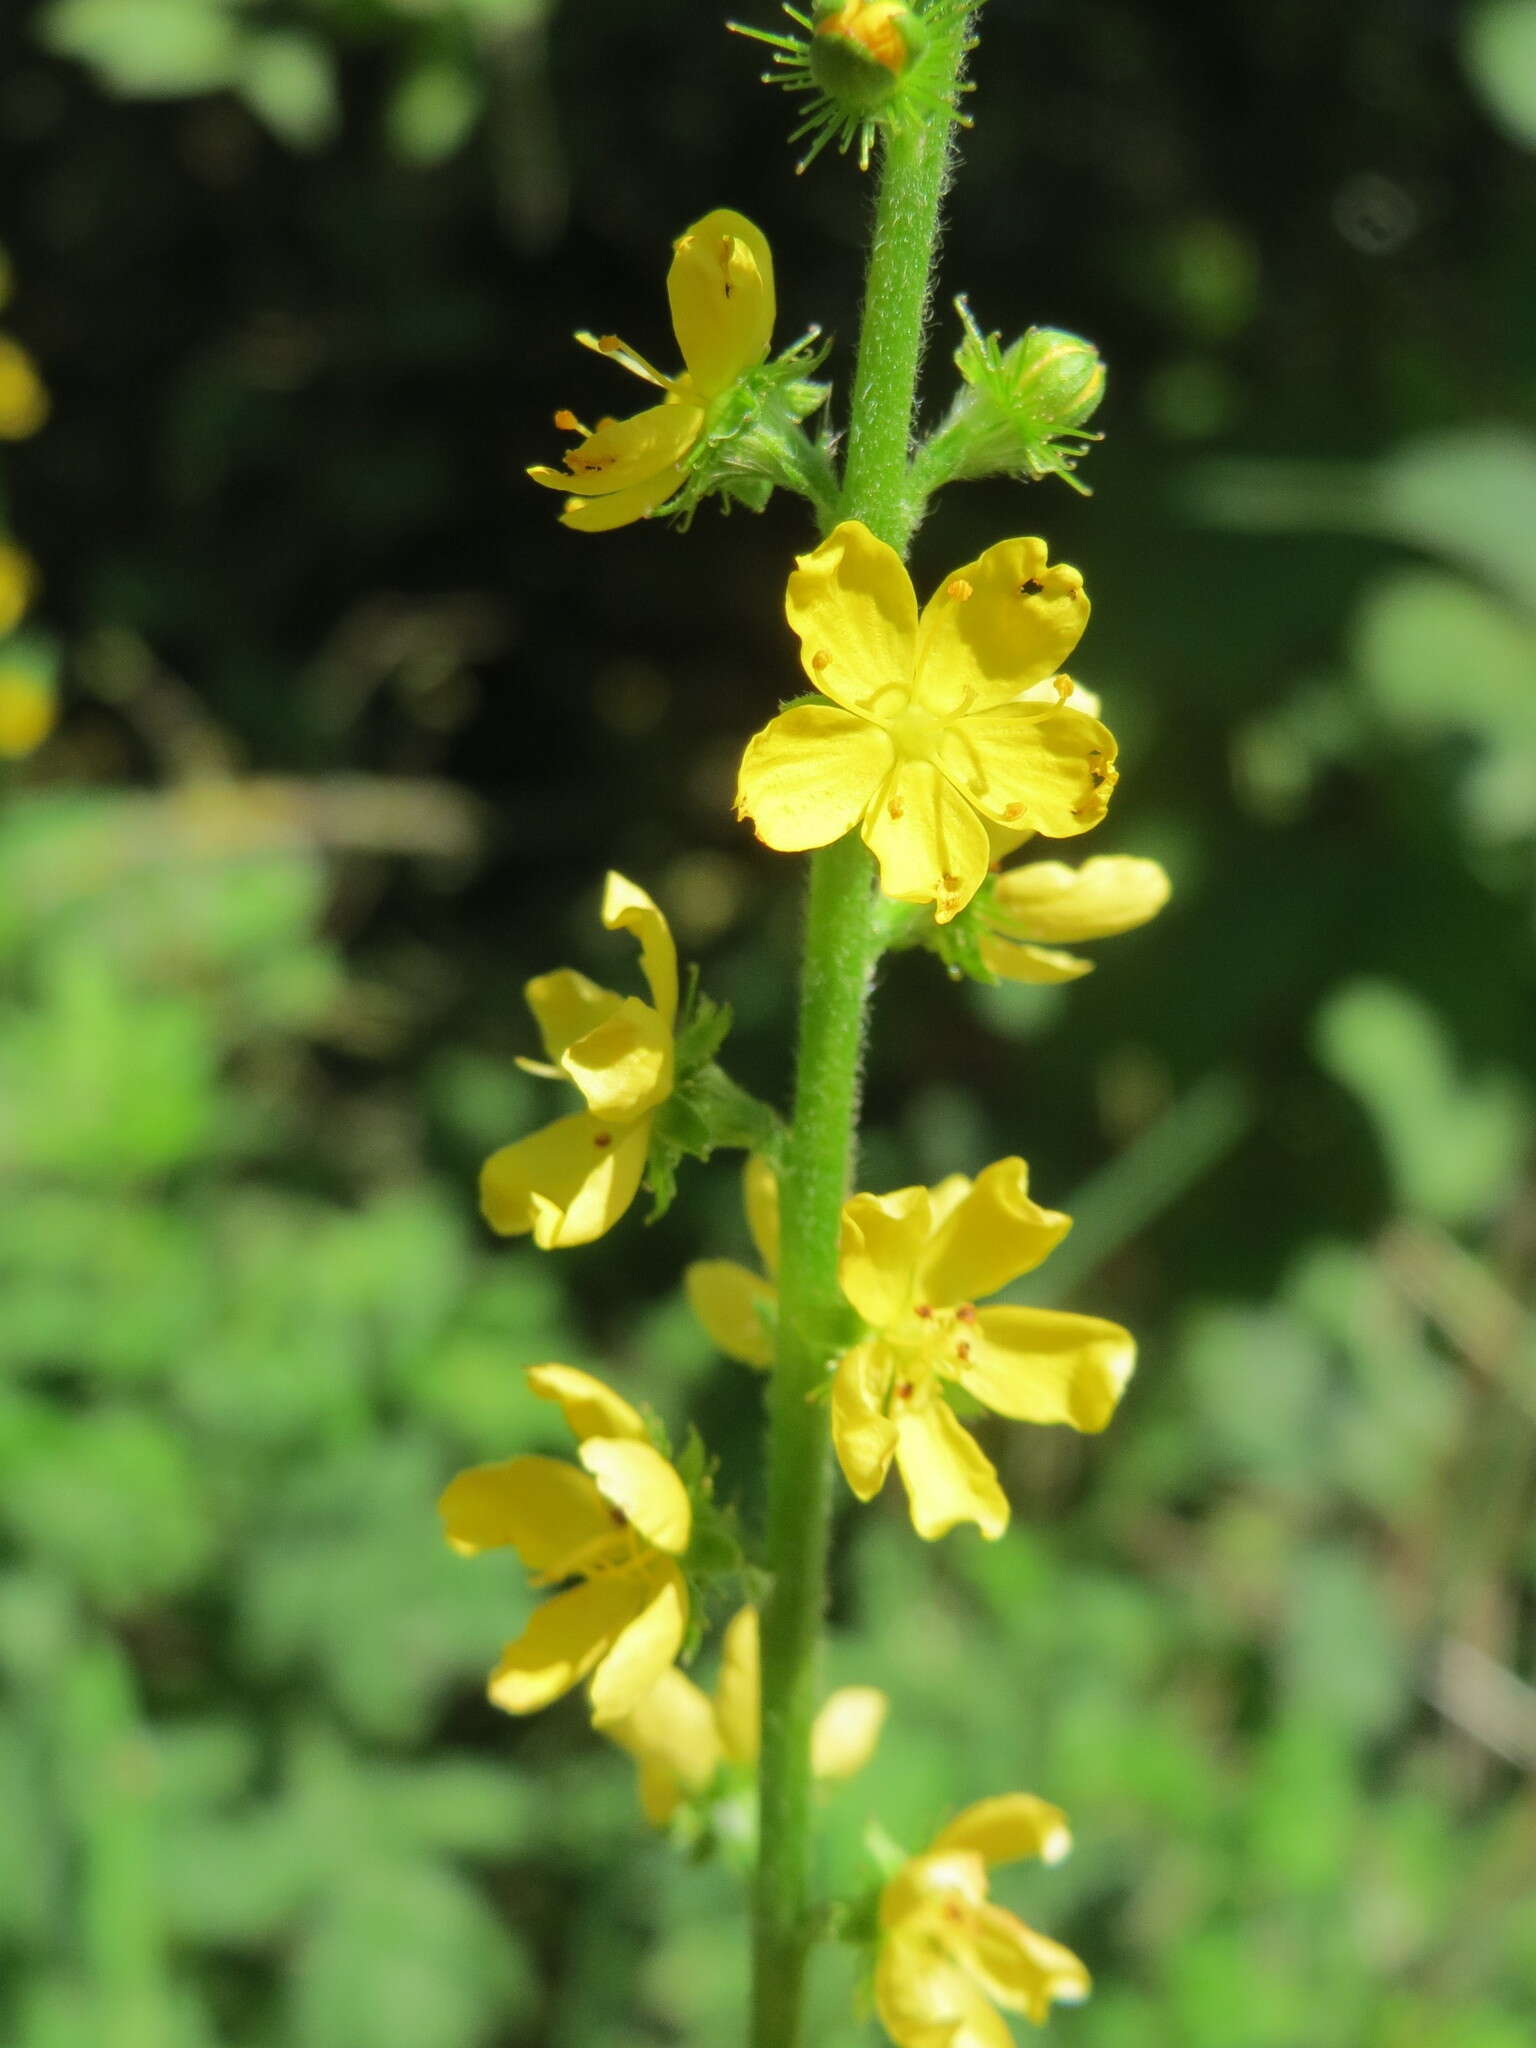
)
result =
(860, 50)
(1021, 411)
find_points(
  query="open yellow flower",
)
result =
(1046, 899)
(949, 1957)
(737, 1306)
(617, 1527)
(925, 743)
(912, 1263)
(574, 1179)
(720, 289)
(682, 1738)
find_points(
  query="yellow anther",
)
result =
(959, 589)
(820, 660)
(1062, 685)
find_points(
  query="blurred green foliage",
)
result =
(352, 731)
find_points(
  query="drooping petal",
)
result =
(625, 453)
(567, 1183)
(863, 1435)
(1048, 900)
(809, 775)
(1000, 624)
(545, 1509)
(566, 1639)
(590, 1408)
(991, 1236)
(925, 2001)
(670, 1732)
(640, 1484)
(720, 289)
(880, 1247)
(642, 1650)
(738, 1689)
(623, 508)
(1007, 1829)
(1039, 966)
(1022, 1970)
(846, 1733)
(736, 1306)
(948, 1477)
(760, 1195)
(1049, 770)
(851, 600)
(626, 907)
(623, 1067)
(1044, 1365)
(931, 845)
(566, 1006)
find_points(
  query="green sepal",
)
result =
(753, 443)
(958, 944)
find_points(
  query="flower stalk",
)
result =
(843, 939)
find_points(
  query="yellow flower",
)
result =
(681, 1738)
(912, 1264)
(618, 1527)
(737, 1306)
(23, 400)
(574, 1179)
(949, 1957)
(720, 289)
(29, 709)
(1046, 899)
(18, 585)
(925, 745)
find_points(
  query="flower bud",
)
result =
(860, 49)
(1054, 379)
(1020, 411)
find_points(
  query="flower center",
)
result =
(916, 732)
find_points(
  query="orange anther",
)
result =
(820, 660)
(959, 589)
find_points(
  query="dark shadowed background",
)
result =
(349, 729)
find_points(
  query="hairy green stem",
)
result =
(843, 941)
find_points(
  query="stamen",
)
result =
(627, 358)
(618, 1517)
(897, 807)
(1063, 687)
(963, 1352)
(1011, 811)
(568, 423)
(602, 1140)
(820, 660)
(904, 1390)
(950, 884)
(959, 589)
(923, 1310)
(965, 1313)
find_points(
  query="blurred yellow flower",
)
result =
(1046, 899)
(949, 1957)
(912, 1263)
(574, 1179)
(29, 710)
(618, 1527)
(681, 1738)
(720, 289)
(737, 1306)
(926, 745)
(23, 399)
(18, 585)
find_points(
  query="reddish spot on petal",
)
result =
(903, 1390)
(602, 1140)
(923, 1310)
(618, 1518)
(963, 1352)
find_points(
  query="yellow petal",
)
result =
(991, 1236)
(809, 775)
(1024, 1971)
(626, 907)
(543, 1508)
(625, 453)
(1008, 1828)
(622, 508)
(948, 1477)
(957, 1876)
(720, 289)
(567, 1183)
(1040, 966)
(760, 1194)
(931, 845)
(852, 600)
(639, 1482)
(1043, 1365)
(738, 1689)
(846, 1733)
(670, 1732)
(642, 1651)
(1049, 770)
(736, 1307)
(624, 1066)
(863, 1435)
(925, 2001)
(566, 1639)
(997, 626)
(566, 1006)
(589, 1407)
(1109, 894)
(880, 1247)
